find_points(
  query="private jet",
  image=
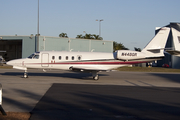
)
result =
(93, 62)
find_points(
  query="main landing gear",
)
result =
(95, 75)
(25, 74)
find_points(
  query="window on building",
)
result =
(53, 57)
(72, 57)
(59, 57)
(66, 57)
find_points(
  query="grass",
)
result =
(148, 69)
(15, 116)
(5, 67)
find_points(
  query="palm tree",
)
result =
(63, 35)
(96, 37)
(89, 36)
(79, 36)
(119, 46)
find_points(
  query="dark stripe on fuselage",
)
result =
(101, 62)
(93, 62)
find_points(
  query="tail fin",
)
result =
(155, 47)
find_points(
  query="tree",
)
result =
(137, 49)
(119, 46)
(97, 37)
(63, 35)
(90, 36)
(79, 36)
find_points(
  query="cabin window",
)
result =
(53, 57)
(59, 57)
(66, 57)
(36, 57)
(72, 57)
(79, 58)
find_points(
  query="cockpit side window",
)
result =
(33, 56)
(36, 57)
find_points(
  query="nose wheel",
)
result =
(25, 74)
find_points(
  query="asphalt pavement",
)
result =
(116, 95)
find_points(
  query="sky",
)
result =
(130, 22)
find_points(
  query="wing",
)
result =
(88, 69)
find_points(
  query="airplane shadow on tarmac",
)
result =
(77, 102)
(76, 75)
(107, 102)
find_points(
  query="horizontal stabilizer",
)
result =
(154, 49)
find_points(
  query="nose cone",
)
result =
(10, 63)
(17, 62)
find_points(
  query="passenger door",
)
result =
(45, 60)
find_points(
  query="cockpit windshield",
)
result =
(34, 56)
(31, 56)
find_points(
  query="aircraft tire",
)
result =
(25, 75)
(96, 77)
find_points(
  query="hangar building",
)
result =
(23, 46)
(172, 61)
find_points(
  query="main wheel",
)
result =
(96, 77)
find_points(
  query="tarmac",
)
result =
(67, 95)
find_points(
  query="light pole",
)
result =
(38, 30)
(99, 26)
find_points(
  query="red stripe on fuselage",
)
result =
(99, 63)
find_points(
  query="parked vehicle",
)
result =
(165, 65)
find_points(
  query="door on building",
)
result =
(45, 60)
(13, 49)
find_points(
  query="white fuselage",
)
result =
(65, 60)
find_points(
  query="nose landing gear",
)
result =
(25, 74)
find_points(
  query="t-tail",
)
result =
(155, 48)
(153, 51)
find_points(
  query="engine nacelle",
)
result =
(128, 55)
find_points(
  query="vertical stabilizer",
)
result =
(155, 47)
